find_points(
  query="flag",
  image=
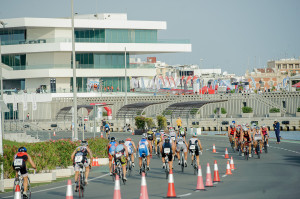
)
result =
(34, 105)
(25, 102)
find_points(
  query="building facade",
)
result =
(37, 52)
(289, 66)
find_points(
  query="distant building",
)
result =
(289, 66)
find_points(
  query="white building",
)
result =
(37, 52)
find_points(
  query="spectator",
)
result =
(27, 116)
(179, 122)
(112, 89)
(276, 126)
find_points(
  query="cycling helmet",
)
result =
(233, 122)
(22, 149)
(231, 126)
(257, 128)
(128, 139)
(113, 139)
(121, 142)
(245, 128)
(84, 143)
(195, 134)
(264, 126)
(144, 135)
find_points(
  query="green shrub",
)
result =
(223, 111)
(274, 110)
(140, 122)
(247, 109)
(150, 123)
(167, 112)
(161, 122)
(298, 110)
(194, 111)
(51, 154)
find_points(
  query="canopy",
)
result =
(206, 90)
(297, 85)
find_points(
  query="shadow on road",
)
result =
(292, 158)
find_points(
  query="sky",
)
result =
(234, 35)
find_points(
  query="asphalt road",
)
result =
(275, 175)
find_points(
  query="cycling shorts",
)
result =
(85, 164)
(23, 171)
(143, 150)
(130, 150)
(170, 155)
(122, 159)
(180, 147)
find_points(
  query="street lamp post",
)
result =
(75, 136)
(125, 79)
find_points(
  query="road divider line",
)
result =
(60, 186)
(183, 195)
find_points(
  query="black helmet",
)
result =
(121, 142)
(84, 143)
(22, 149)
(113, 139)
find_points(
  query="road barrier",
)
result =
(214, 149)
(208, 182)
(17, 192)
(171, 188)
(216, 172)
(69, 193)
(232, 164)
(200, 185)
(144, 191)
(226, 154)
(117, 191)
(228, 170)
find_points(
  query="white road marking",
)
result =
(183, 195)
(223, 176)
(285, 149)
(60, 186)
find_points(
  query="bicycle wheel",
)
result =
(167, 170)
(240, 151)
(246, 154)
(258, 151)
(158, 154)
(113, 172)
(29, 189)
(195, 165)
(232, 147)
(266, 147)
(182, 162)
(79, 186)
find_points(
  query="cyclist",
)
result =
(150, 136)
(181, 145)
(158, 138)
(237, 137)
(20, 160)
(231, 131)
(172, 134)
(179, 122)
(111, 147)
(80, 155)
(195, 144)
(257, 135)
(131, 149)
(107, 130)
(162, 133)
(265, 132)
(181, 132)
(246, 138)
(167, 146)
(121, 153)
(144, 146)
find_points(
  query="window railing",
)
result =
(81, 66)
(90, 40)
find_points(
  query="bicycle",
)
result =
(144, 164)
(81, 183)
(232, 145)
(239, 149)
(20, 181)
(246, 150)
(182, 160)
(167, 151)
(113, 168)
(265, 144)
(119, 171)
(257, 149)
(129, 165)
(157, 150)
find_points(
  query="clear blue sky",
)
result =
(227, 34)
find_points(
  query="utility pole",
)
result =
(125, 79)
(74, 77)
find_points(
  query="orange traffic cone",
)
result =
(214, 149)
(94, 162)
(101, 134)
(208, 182)
(226, 154)
(117, 192)
(69, 193)
(97, 162)
(216, 172)
(144, 191)
(17, 192)
(54, 133)
(228, 170)
(232, 164)
(171, 188)
(200, 185)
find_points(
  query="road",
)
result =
(275, 175)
